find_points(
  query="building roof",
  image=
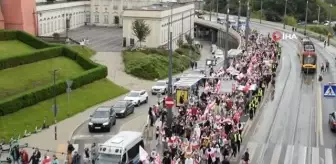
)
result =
(159, 6)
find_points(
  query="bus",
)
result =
(307, 54)
(121, 148)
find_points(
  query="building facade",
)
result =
(109, 12)
(157, 17)
(51, 18)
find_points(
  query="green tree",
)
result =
(141, 30)
(180, 42)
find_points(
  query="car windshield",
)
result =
(108, 159)
(133, 94)
(120, 104)
(161, 83)
(309, 60)
(308, 47)
(100, 114)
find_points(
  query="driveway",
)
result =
(101, 39)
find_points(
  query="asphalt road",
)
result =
(134, 122)
(291, 129)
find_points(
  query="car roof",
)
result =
(103, 108)
(123, 101)
(159, 81)
(137, 91)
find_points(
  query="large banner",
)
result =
(181, 97)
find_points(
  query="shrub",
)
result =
(319, 29)
(94, 72)
(290, 20)
(7, 35)
(31, 57)
(256, 15)
(31, 40)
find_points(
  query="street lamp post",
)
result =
(226, 35)
(305, 27)
(285, 14)
(261, 10)
(170, 69)
(247, 25)
(329, 24)
(239, 10)
(211, 5)
(67, 25)
(54, 107)
(318, 14)
(217, 8)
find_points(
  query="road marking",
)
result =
(289, 154)
(276, 154)
(315, 155)
(302, 155)
(319, 117)
(76, 137)
(328, 156)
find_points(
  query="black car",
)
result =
(123, 108)
(102, 119)
(332, 121)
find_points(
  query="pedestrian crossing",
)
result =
(270, 153)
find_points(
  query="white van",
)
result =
(122, 148)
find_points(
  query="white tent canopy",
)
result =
(188, 80)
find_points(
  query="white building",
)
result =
(52, 17)
(158, 16)
(109, 12)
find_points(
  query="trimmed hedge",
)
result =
(94, 72)
(12, 104)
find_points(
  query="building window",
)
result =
(44, 28)
(115, 7)
(106, 21)
(40, 30)
(96, 18)
(88, 18)
(59, 24)
(52, 26)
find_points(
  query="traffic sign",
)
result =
(329, 90)
(169, 102)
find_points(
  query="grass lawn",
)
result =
(17, 79)
(83, 50)
(80, 100)
(13, 47)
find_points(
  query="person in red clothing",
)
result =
(24, 157)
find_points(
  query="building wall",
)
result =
(104, 12)
(52, 17)
(2, 20)
(18, 14)
(183, 23)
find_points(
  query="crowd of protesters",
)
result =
(208, 128)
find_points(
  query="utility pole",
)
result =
(226, 35)
(261, 10)
(217, 8)
(285, 15)
(318, 14)
(170, 69)
(247, 25)
(239, 10)
(305, 27)
(54, 107)
(211, 5)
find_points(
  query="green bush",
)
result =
(152, 63)
(7, 35)
(28, 58)
(256, 15)
(31, 40)
(290, 20)
(319, 29)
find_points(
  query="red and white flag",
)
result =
(218, 86)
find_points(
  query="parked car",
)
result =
(332, 121)
(123, 108)
(137, 97)
(102, 119)
(160, 87)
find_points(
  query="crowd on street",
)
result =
(208, 127)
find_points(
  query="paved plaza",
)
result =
(101, 39)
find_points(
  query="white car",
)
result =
(137, 97)
(161, 87)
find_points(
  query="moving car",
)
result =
(123, 108)
(102, 119)
(137, 97)
(332, 121)
(161, 87)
